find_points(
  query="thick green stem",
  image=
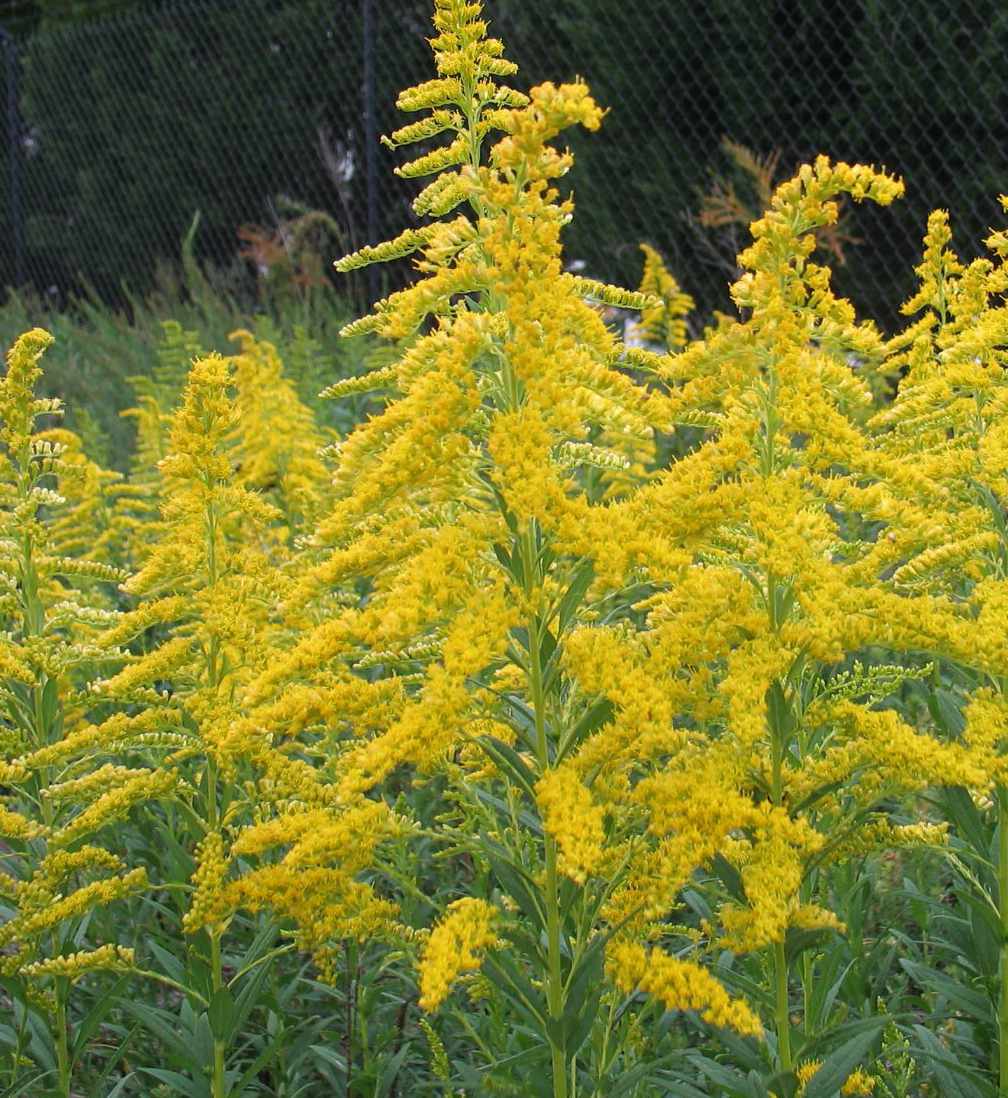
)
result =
(218, 1088)
(555, 987)
(807, 977)
(61, 1037)
(782, 1013)
(1002, 869)
(778, 745)
(555, 991)
(350, 957)
(45, 734)
(216, 973)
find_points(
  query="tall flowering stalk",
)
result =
(64, 777)
(205, 585)
(484, 509)
(773, 757)
(214, 570)
(943, 444)
(277, 443)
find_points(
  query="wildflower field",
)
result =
(538, 712)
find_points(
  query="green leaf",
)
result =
(163, 1025)
(945, 712)
(577, 1024)
(821, 1003)
(505, 559)
(732, 1082)
(89, 1024)
(221, 1014)
(264, 1057)
(841, 1062)
(729, 876)
(24, 1086)
(547, 648)
(574, 595)
(515, 882)
(170, 964)
(797, 940)
(50, 702)
(817, 795)
(959, 996)
(390, 1072)
(510, 763)
(176, 1080)
(955, 1079)
(528, 820)
(120, 1087)
(984, 938)
(958, 807)
(780, 712)
(784, 1084)
(249, 995)
(594, 717)
(113, 1061)
(201, 1048)
(528, 1002)
(587, 971)
(323, 1052)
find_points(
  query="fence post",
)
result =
(370, 139)
(14, 153)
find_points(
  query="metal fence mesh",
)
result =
(262, 116)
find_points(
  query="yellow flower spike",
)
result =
(276, 443)
(805, 1072)
(574, 821)
(61, 780)
(107, 958)
(663, 323)
(679, 985)
(859, 1082)
(454, 948)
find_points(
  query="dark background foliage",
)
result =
(135, 115)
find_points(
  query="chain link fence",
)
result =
(244, 133)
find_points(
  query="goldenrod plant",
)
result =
(663, 324)
(774, 758)
(206, 590)
(465, 506)
(205, 585)
(65, 775)
(942, 446)
(278, 445)
(565, 703)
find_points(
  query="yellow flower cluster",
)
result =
(454, 947)
(574, 820)
(859, 1082)
(663, 324)
(610, 670)
(61, 783)
(680, 985)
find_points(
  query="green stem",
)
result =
(555, 991)
(807, 977)
(216, 963)
(782, 1012)
(350, 957)
(213, 809)
(1002, 869)
(45, 733)
(555, 988)
(62, 1039)
(216, 967)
